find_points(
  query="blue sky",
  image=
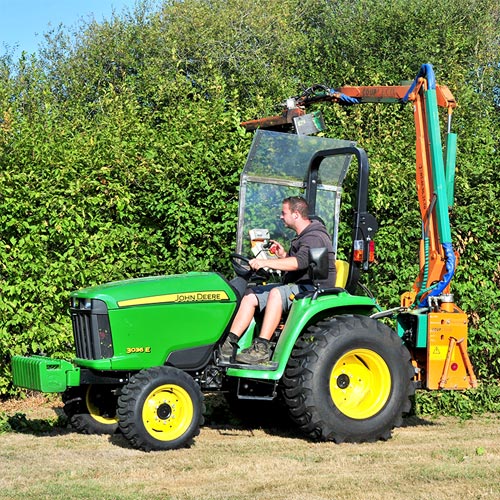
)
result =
(23, 22)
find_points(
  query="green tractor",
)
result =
(147, 349)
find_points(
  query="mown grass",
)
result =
(446, 458)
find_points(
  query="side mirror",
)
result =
(318, 263)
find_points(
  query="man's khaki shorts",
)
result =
(287, 293)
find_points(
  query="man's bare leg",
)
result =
(244, 315)
(272, 315)
(259, 352)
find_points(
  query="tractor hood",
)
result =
(185, 288)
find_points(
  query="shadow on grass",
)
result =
(227, 413)
(19, 422)
(416, 421)
(228, 416)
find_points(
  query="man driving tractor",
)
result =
(275, 299)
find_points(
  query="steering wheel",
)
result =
(241, 265)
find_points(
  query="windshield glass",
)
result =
(277, 167)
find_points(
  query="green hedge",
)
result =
(112, 197)
(120, 150)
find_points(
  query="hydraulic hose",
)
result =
(450, 260)
(426, 71)
(343, 98)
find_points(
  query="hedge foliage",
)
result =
(120, 149)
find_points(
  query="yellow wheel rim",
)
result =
(360, 383)
(168, 412)
(94, 410)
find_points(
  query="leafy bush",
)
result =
(20, 423)
(121, 194)
(484, 399)
(120, 147)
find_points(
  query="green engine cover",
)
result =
(151, 319)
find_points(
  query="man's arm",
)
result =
(284, 264)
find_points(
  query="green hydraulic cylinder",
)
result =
(438, 172)
(451, 155)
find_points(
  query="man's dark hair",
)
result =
(298, 204)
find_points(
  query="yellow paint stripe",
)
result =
(179, 298)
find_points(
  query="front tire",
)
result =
(91, 409)
(160, 409)
(349, 379)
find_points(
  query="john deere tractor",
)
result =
(147, 349)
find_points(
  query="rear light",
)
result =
(371, 251)
(358, 251)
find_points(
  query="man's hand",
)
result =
(277, 249)
(257, 264)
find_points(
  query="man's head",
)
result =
(295, 212)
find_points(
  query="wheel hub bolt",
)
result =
(164, 411)
(343, 381)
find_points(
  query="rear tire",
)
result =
(91, 409)
(160, 409)
(349, 378)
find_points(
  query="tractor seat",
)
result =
(342, 273)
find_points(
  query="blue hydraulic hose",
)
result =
(343, 98)
(427, 72)
(449, 256)
(450, 266)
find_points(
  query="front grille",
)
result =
(91, 329)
